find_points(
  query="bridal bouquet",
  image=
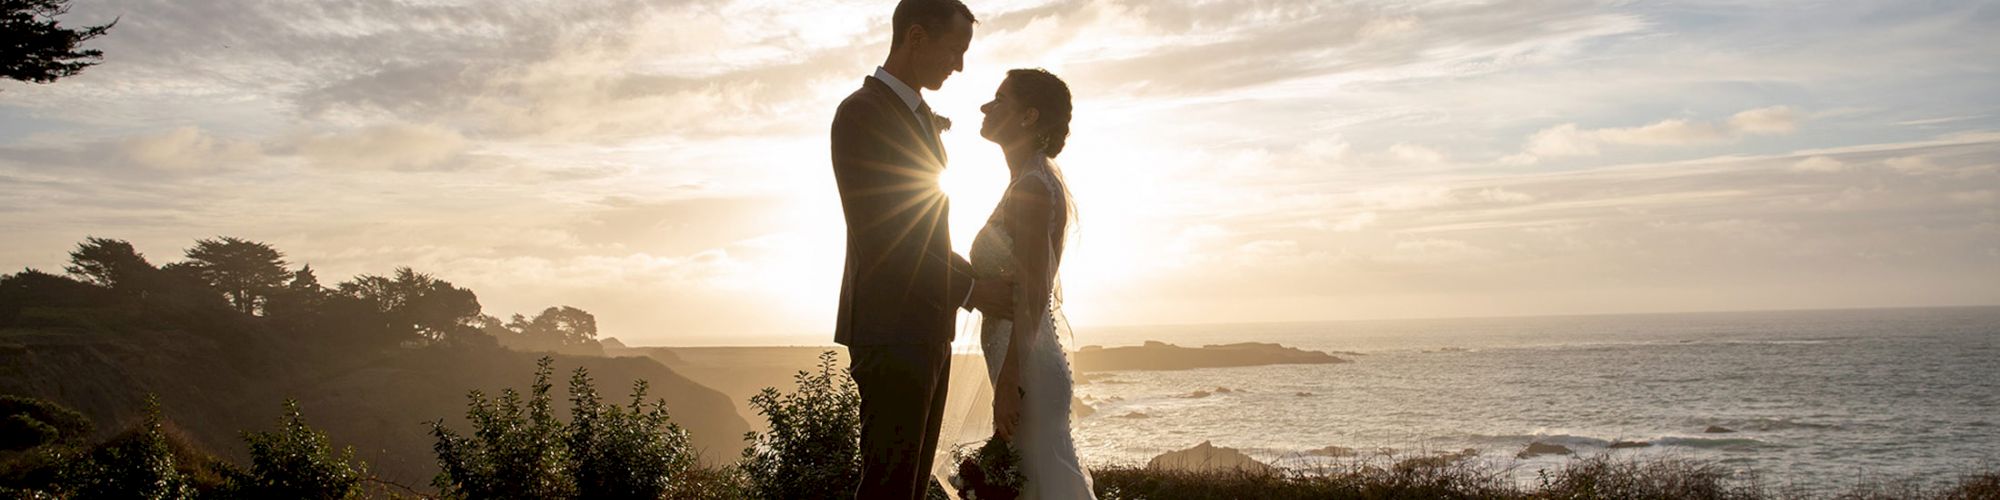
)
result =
(993, 472)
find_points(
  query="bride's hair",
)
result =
(1041, 90)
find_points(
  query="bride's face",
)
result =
(1007, 122)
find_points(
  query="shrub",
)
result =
(514, 451)
(519, 449)
(28, 422)
(629, 452)
(297, 462)
(813, 448)
(137, 464)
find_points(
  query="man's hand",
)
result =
(993, 297)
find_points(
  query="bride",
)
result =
(1029, 118)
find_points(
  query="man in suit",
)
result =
(903, 284)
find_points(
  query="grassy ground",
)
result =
(1600, 477)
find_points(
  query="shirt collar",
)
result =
(910, 96)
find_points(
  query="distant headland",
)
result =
(1156, 355)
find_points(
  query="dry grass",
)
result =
(1445, 477)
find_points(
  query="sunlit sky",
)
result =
(663, 164)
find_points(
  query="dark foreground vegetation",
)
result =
(173, 360)
(519, 447)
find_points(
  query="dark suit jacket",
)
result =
(902, 284)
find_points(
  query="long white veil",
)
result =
(968, 407)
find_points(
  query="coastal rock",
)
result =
(1539, 448)
(1207, 457)
(1629, 444)
(1302, 394)
(1155, 355)
(1079, 409)
(1197, 394)
(1135, 415)
(1333, 451)
(1439, 460)
(1717, 429)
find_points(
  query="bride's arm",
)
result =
(1028, 214)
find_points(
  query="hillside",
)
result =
(218, 372)
(379, 404)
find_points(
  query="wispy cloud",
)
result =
(661, 163)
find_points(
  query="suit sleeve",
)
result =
(892, 204)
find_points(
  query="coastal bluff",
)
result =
(1156, 355)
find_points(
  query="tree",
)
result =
(301, 295)
(246, 272)
(110, 263)
(35, 48)
(559, 326)
(430, 308)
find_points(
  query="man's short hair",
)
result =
(933, 15)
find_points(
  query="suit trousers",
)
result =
(902, 405)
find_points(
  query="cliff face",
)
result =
(217, 383)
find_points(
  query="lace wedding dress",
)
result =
(1048, 453)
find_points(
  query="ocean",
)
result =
(1815, 397)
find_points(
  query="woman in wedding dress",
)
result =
(1029, 118)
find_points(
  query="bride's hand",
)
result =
(1006, 407)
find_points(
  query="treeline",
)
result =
(251, 280)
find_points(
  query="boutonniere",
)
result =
(940, 123)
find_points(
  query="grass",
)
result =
(1595, 477)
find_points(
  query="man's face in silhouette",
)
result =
(935, 56)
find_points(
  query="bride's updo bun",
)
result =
(1041, 90)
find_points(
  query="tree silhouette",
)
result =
(35, 48)
(246, 272)
(111, 264)
(430, 308)
(560, 326)
(301, 295)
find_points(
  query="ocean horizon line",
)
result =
(1137, 326)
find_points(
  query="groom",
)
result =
(903, 284)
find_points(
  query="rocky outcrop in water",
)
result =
(1717, 429)
(1163, 356)
(1617, 445)
(1538, 449)
(1206, 457)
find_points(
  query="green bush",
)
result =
(629, 452)
(28, 422)
(515, 451)
(297, 462)
(519, 449)
(813, 448)
(137, 464)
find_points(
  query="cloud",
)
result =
(1819, 164)
(1771, 120)
(1355, 222)
(1569, 139)
(1435, 251)
(397, 146)
(185, 149)
(1411, 153)
(1500, 195)
(177, 151)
